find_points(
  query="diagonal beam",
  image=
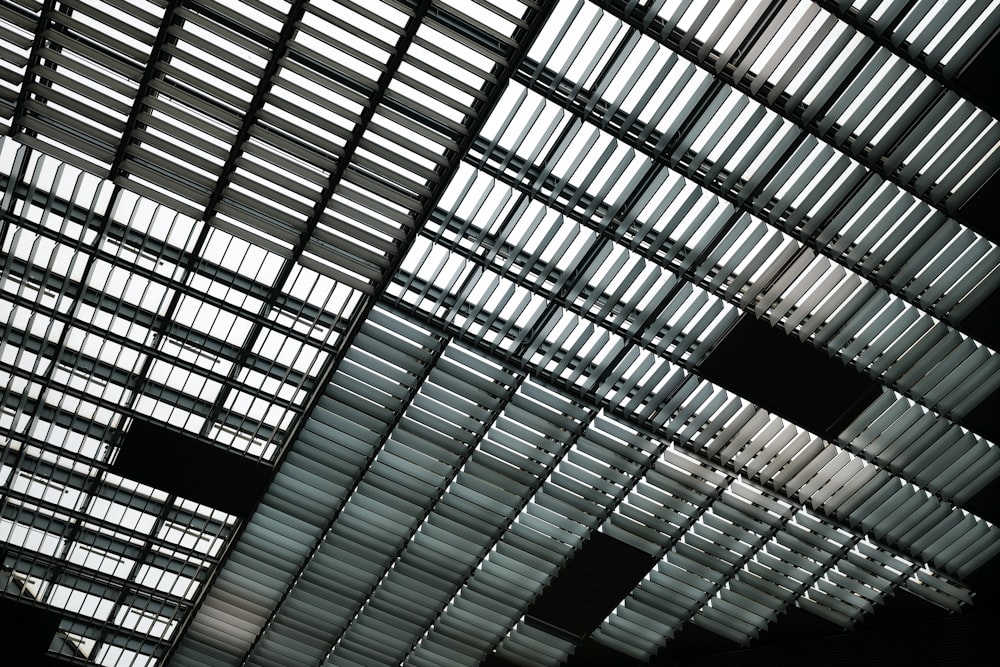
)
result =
(156, 56)
(638, 476)
(528, 76)
(525, 366)
(253, 109)
(34, 58)
(273, 295)
(492, 92)
(632, 337)
(442, 344)
(674, 39)
(495, 414)
(880, 37)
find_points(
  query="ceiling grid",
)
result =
(454, 274)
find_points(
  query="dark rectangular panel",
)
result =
(978, 81)
(983, 323)
(198, 471)
(966, 640)
(980, 211)
(25, 632)
(590, 653)
(599, 576)
(983, 418)
(792, 379)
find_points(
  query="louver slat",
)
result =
(458, 273)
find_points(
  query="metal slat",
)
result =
(391, 478)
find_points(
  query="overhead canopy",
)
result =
(475, 297)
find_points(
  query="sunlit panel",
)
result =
(452, 275)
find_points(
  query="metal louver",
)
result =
(453, 272)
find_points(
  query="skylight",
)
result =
(452, 275)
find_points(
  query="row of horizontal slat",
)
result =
(923, 447)
(535, 479)
(845, 115)
(470, 515)
(926, 31)
(224, 122)
(17, 26)
(373, 522)
(813, 160)
(331, 452)
(736, 587)
(696, 564)
(845, 311)
(834, 474)
(832, 479)
(881, 335)
(440, 625)
(639, 378)
(557, 517)
(819, 474)
(205, 111)
(531, 646)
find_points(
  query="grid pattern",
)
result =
(451, 268)
(158, 309)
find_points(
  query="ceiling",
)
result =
(497, 332)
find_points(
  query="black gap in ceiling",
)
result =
(983, 323)
(493, 660)
(979, 84)
(980, 211)
(985, 584)
(690, 643)
(25, 633)
(978, 81)
(599, 576)
(794, 624)
(802, 638)
(902, 609)
(589, 653)
(983, 419)
(986, 502)
(792, 379)
(194, 470)
(985, 581)
(967, 640)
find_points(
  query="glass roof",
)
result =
(451, 269)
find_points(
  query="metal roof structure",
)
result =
(343, 333)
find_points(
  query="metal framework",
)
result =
(451, 268)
